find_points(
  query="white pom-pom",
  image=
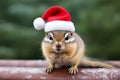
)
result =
(39, 23)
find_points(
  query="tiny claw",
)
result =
(49, 69)
(73, 70)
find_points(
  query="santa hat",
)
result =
(55, 18)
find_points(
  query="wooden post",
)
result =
(35, 70)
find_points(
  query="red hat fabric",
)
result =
(55, 18)
(56, 13)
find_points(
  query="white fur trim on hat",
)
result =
(39, 23)
(59, 25)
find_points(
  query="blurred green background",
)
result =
(96, 21)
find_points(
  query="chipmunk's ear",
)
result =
(71, 33)
(46, 33)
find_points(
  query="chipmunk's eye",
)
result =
(67, 37)
(50, 37)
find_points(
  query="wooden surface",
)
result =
(35, 70)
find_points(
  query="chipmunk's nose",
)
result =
(58, 46)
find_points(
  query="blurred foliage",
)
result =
(97, 22)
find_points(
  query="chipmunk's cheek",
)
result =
(63, 47)
(53, 47)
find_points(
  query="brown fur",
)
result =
(72, 53)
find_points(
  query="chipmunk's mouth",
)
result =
(58, 50)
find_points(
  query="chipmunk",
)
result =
(61, 44)
(67, 48)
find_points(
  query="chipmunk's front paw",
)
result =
(73, 70)
(49, 69)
